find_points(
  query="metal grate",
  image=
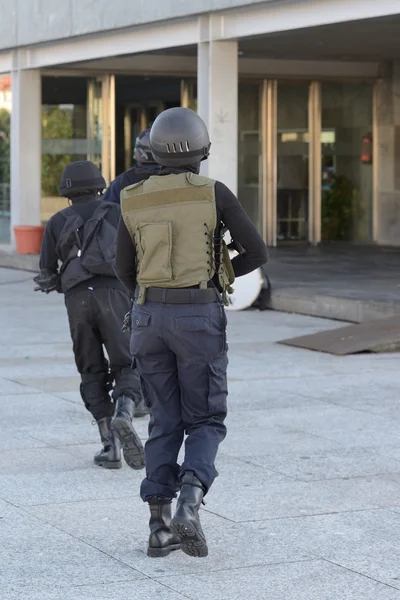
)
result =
(5, 213)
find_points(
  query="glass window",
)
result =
(249, 152)
(65, 132)
(347, 162)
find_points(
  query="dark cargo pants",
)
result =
(95, 319)
(180, 352)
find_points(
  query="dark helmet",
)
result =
(142, 152)
(81, 176)
(179, 138)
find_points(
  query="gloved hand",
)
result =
(127, 323)
(47, 282)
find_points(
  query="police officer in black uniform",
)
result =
(170, 255)
(144, 167)
(96, 305)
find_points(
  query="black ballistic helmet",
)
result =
(81, 176)
(179, 138)
(142, 152)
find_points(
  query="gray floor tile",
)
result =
(256, 502)
(8, 388)
(333, 464)
(39, 460)
(316, 580)
(366, 542)
(69, 486)
(117, 590)
(36, 554)
(50, 384)
(339, 424)
(122, 531)
(259, 441)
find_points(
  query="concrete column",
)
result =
(387, 156)
(217, 97)
(25, 148)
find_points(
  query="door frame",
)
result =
(101, 124)
(269, 160)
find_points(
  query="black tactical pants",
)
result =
(181, 354)
(95, 319)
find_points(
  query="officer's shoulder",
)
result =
(126, 191)
(60, 215)
(107, 204)
(200, 180)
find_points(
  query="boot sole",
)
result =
(109, 465)
(161, 552)
(132, 447)
(193, 541)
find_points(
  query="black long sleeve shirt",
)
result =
(51, 254)
(229, 213)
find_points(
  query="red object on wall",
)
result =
(366, 152)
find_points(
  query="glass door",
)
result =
(293, 156)
(249, 153)
(189, 94)
(347, 170)
(137, 118)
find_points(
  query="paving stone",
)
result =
(37, 554)
(118, 590)
(69, 486)
(39, 460)
(257, 502)
(366, 542)
(333, 464)
(8, 388)
(339, 424)
(231, 545)
(315, 580)
(273, 439)
(43, 411)
(29, 370)
(257, 395)
(52, 384)
(285, 405)
(12, 440)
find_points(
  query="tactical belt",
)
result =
(180, 296)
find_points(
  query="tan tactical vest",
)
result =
(172, 220)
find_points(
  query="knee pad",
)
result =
(127, 383)
(94, 391)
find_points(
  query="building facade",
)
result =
(301, 97)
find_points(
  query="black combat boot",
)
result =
(161, 541)
(141, 409)
(110, 456)
(122, 427)
(186, 522)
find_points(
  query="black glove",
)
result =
(47, 282)
(127, 323)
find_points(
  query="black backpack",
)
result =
(91, 241)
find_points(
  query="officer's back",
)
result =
(82, 238)
(170, 255)
(144, 167)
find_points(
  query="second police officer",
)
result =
(144, 167)
(170, 255)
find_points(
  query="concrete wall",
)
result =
(24, 22)
(388, 117)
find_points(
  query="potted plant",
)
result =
(339, 210)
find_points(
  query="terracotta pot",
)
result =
(28, 238)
